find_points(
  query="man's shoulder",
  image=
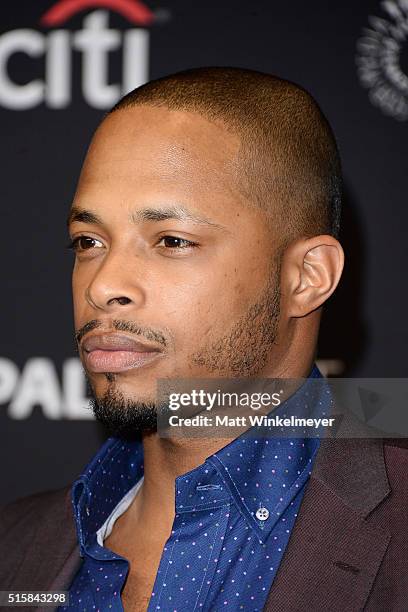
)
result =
(37, 506)
(28, 527)
(48, 513)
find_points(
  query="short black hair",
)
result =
(290, 164)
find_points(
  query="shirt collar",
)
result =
(256, 472)
(114, 470)
(268, 471)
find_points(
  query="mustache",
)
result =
(122, 325)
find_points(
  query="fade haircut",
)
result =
(289, 164)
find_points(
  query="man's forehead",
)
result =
(163, 148)
(172, 136)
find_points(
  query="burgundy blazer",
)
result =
(348, 550)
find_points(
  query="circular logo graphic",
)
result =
(379, 57)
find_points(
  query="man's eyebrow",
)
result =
(179, 213)
(145, 214)
(85, 216)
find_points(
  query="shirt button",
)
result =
(262, 514)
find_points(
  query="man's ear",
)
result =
(311, 271)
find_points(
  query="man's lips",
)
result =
(117, 353)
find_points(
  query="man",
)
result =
(205, 230)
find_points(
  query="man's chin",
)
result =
(123, 416)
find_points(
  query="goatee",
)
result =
(123, 417)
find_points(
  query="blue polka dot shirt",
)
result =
(233, 518)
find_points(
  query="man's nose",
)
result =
(114, 285)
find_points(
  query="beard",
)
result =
(241, 352)
(121, 416)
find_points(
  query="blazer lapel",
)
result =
(62, 581)
(53, 558)
(333, 555)
(66, 559)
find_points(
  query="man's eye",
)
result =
(84, 243)
(173, 242)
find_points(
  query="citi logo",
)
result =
(94, 42)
